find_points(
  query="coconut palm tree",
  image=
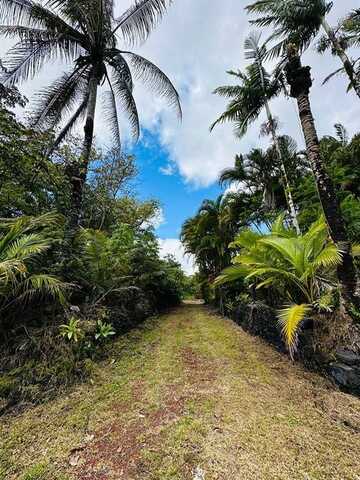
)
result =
(250, 98)
(299, 79)
(86, 35)
(300, 267)
(303, 20)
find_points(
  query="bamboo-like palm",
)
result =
(300, 267)
(303, 20)
(84, 34)
(250, 98)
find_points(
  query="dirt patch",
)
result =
(197, 368)
(117, 449)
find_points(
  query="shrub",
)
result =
(300, 267)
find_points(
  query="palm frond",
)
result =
(111, 114)
(333, 74)
(290, 320)
(231, 274)
(155, 79)
(70, 124)
(41, 285)
(140, 19)
(127, 102)
(329, 257)
(33, 15)
(59, 99)
(27, 246)
(25, 59)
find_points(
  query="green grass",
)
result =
(187, 390)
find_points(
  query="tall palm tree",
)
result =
(249, 99)
(299, 79)
(300, 82)
(302, 19)
(84, 34)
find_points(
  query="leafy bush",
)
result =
(301, 268)
(22, 242)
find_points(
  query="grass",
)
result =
(188, 390)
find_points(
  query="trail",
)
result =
(188, 396)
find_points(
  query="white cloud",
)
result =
(168, 170)
(195, 44)
(174, 247)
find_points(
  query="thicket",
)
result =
(61, 303)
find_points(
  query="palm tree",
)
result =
(250, 98)
(300, 267)
(85, 34)
(208, 234)
(299, 79)
(257, 172)
(260, 171)
(302, 20)
(22, 241)
(300, 82)
(207, 237)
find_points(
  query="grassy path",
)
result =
(189, 396)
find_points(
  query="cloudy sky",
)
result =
(195, 44)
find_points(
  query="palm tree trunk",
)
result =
(78, 178)
(340, 52)
(288, 194)
(299, 79)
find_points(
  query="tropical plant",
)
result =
(300, 21)
(208, 234)
(104, 330)
(300, 267)
(84, 33)
(260, 171)
(299, 79)
(22, 242)
(250, 98)
(71, 331)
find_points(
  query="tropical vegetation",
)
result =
(79, 259)
(80, 262)
(293, 216)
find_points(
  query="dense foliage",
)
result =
(286, 234)
(78, 256)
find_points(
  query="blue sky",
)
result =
(179, 200)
